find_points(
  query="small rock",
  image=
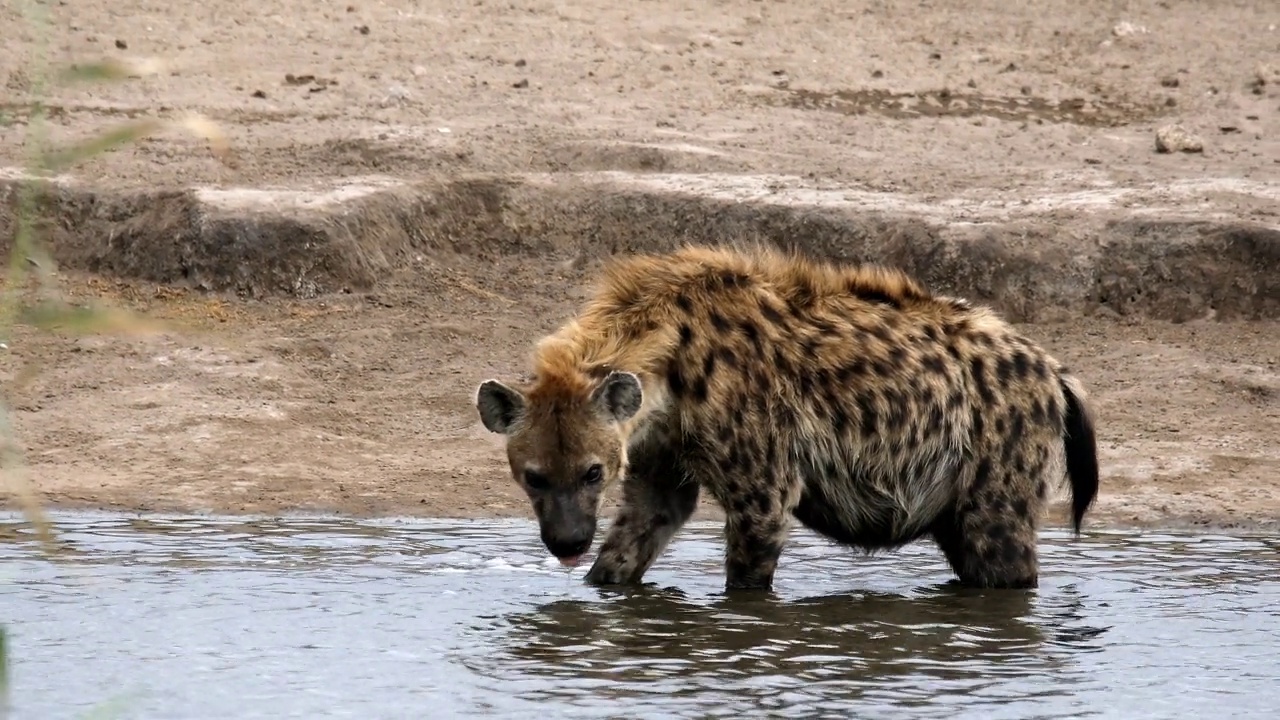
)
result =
(1106, 312)
(1026, 90)
(521, 63)
(935, 56)
(521, 84)
(1175, 138)
(122, 45)
(259, 94)
(1125, 29)
(1170, 102)
(18, 80)
(364, 29)
(419, 71)
(972, 83)
(877, 73)
(1170, 81)
(1264, 74)
(395, 95)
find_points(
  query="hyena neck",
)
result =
(654, 414)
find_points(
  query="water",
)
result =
(227, 618)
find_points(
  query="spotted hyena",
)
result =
(848, 398)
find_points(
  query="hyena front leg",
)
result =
(657, 500)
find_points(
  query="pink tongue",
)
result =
(571, 561)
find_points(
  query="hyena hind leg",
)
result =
(990, 538)
(657, 500)
(757, 522)
(753, 545)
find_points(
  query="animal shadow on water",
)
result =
(854, 643)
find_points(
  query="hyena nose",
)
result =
(569, 547)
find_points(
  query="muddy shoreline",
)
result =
(310, 335)
(1030, 263)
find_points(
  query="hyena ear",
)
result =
(619, 396)
(500, 406)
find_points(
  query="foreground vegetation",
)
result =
(29, 293)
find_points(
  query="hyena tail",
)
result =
(1082, 450)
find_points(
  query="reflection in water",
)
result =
(212, 617)
(918, 648)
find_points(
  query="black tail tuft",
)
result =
(1082, 452)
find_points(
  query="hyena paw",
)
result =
(607, 571)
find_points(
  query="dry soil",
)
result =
(420, 189)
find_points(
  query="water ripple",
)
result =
(200, 617)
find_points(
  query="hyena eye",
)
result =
(536, 481)
(593, 475)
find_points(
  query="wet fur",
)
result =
(848, 398)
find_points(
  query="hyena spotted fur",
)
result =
(848, 398)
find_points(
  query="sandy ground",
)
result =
(359, 402)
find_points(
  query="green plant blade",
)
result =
(4, 672)
(59, 160)
(86, 319)
(64, 158)
(108, 70)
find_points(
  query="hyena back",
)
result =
(847, 398)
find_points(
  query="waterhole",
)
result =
(171, 617)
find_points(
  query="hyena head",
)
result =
(565, 445)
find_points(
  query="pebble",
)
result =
(1261, 76)
(1126, 29)
(1175, 138)
(396, 94)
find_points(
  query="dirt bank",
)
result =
(1160, 251)
(432, 188)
